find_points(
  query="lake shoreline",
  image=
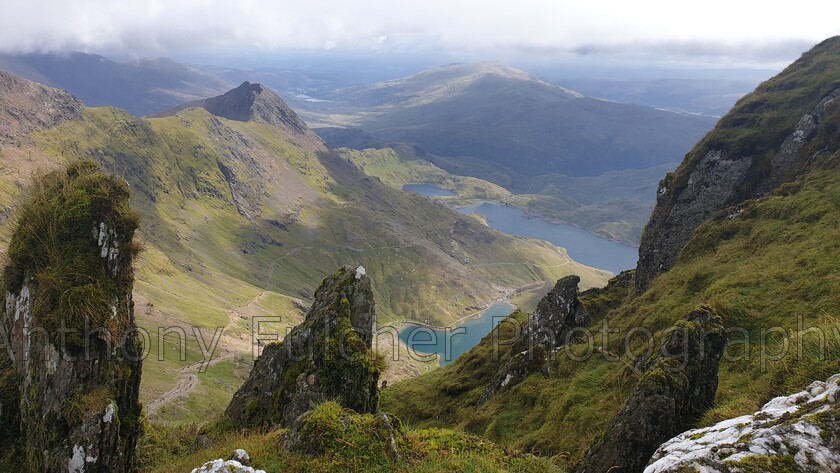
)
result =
(411, 187)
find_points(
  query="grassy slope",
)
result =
(774, 263)
(208, 266)
(351, 444)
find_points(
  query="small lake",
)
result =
(429, 190)
(452, 342)
(583, 247)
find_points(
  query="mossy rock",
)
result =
(74, 239)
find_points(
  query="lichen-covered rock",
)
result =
(326, 357)
(800, 432)
(241, 456)
(68, 313)
(678, 386)
(222, 466)
(547, 328)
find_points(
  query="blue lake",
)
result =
(583, 247)
(450, 343)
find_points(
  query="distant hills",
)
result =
(593, 163)
(510, 120)
(712, 97)
(141, 87)
(555, 148)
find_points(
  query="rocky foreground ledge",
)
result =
(799, 432)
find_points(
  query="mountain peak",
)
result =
(250, 102)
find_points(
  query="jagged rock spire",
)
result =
(69, 337)
(327, 357)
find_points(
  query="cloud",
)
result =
(714, 28)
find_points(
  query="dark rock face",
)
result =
(69, 316)
(250, 103)
(678, 386)
(326, 357)
(717, 182)
(548, 327)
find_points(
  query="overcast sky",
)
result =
(724, 31)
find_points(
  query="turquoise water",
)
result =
(452, 342)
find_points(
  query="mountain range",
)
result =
(243, 209)
(141, 87)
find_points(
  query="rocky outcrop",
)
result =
(800, 432)
(326, 357)
(678, 385)
(26, 106)
(250, 102)
(746, 156)
(69, 316)
(556, 313)
(547, 328)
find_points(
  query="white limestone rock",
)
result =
(222, 466)
(801, 429)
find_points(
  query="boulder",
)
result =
(800, 432)
(677, 387)
(222, 466)
(68, 329)
(326, 357)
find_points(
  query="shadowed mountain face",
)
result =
(142, 87)
(509, 120)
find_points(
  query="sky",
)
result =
(731, 32)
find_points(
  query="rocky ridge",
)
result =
(250, 102)
(26, 106)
